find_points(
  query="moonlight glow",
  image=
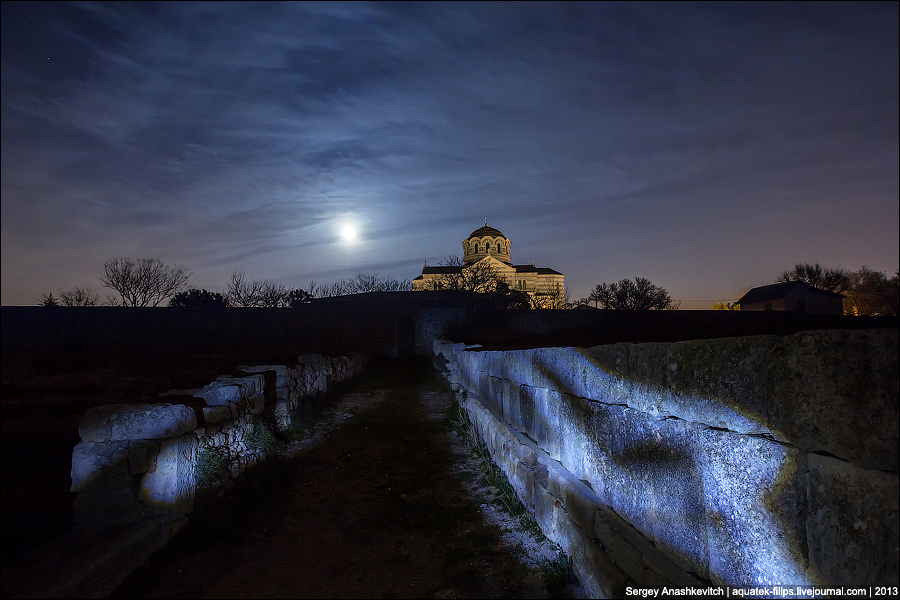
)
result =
(348, 232)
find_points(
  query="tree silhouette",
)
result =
(639, 294)
(75, 297)
(831, 280)
(198, 299)
(871, 293)
(144, 282)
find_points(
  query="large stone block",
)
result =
(571, 418)
(103, 466)
(601, 427)
(232, 390)
(136, 421)
(169, 488)
(720, 382)
(543, 424)
(216, 414)
(755, 496)
(562, 369)
(678, 508)
(522, 366)
(837, 391)
(852, 526)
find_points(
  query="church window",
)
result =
(476, 248)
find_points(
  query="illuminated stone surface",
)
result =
(102, 466)
(837, 391)
(169, 488)
(755, 497)
(853, 523)
(135, 421)
(702, 447)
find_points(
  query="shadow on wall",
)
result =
(749, 461)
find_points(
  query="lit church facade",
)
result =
(489, 244)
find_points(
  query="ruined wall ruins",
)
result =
(140, 461)
(764, 460)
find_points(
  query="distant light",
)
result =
(348, 232)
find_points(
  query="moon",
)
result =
(348, 232)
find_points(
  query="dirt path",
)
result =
(382, 502)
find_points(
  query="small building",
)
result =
(795, 296)
(487, 244)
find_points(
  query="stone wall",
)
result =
(140, 461)
(136, 471)
(764, 460)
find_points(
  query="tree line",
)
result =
(149, 282)
(867, 292)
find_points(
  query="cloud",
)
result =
(238, 132)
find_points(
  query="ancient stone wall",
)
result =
(750, 461)
(140, 461)
(136, 470)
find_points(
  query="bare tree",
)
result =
(259, 293)
(326, 290)
(144, 282)
(639, 294)
(870, 293)
(556, 299)
(891, 294)
(831, 280)
(75, 297)
(372, 282)
(361, 283)
(480, 277)
(79, 297)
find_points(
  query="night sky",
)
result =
(706, 147)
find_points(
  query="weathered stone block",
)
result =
(628, 486)
(142, 456)
(221, 394)
(101, 466)
(215, 414)
(310, 360)
(169, 488)
(256, 404)
(579, 506)
(136, 421)
(285, 376)
(720, 382)
(755, 496)
(562, 369)
(678, 508)
(837, 391)
(852, 524)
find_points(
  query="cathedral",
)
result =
(489, 244)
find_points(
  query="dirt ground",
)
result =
(384, 499)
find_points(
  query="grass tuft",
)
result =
(262, 437)
(213, 466)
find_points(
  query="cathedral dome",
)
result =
(486, 241)
(487, 230)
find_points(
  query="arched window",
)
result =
(476, 248)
